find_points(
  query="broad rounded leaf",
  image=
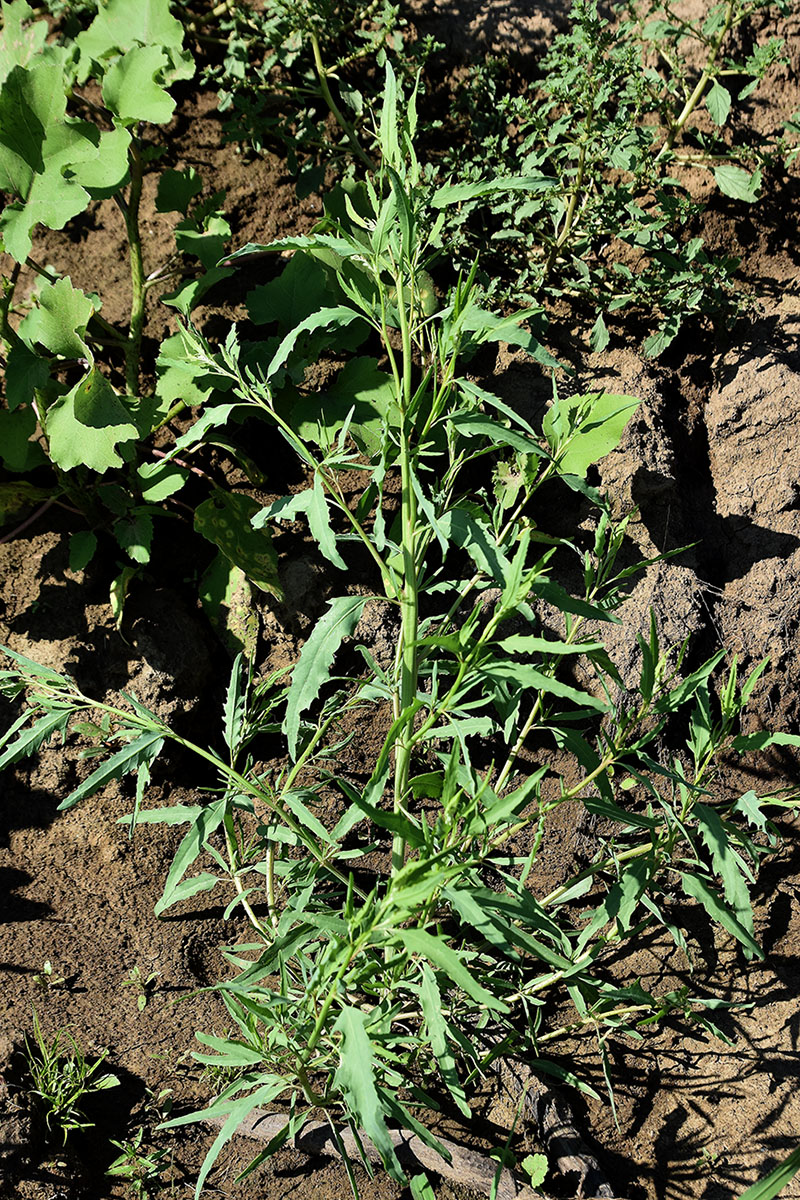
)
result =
(86, 426)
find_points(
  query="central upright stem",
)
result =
(138, 292)
(406, 661)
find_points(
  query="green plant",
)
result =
(72, 384)
(142, 1169)
(401, 941)
(62, 1079)
(289, 68)
(144, 985)
(612, 137)
(47, 978)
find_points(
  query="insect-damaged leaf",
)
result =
(224, 519)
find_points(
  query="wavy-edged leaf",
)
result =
(31, 739)
(205, 823)
(433, 1014)
(726, 863)
(442, 955)
(87, 425)
(142, 750)
(355, 1075)
(718, 910)
(313, 666)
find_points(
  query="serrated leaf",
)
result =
(121, 26)
(37, 145)
(313, 666)
(20, 40)
(463, 530)
(716, 908)
(439, 952)
(355, 1075)
(86, 426)
(135, 536)
(82, 546)
(725, 862)
(457, 193)
(718, 103)
(225, 519)
(143, 749)
(326, 318)
(35, 736)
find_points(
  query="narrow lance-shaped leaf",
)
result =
(437, 950)
(356, 1077)
(143, 749)
(716, 908)
(726, 863)
(207, 820)
(313, 666)
(431, 1002)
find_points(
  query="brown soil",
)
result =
(711, 459)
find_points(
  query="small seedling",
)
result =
(62, 1078)
(47, 979)
(140, 1168)
(144, 985)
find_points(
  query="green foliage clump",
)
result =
(398, 940)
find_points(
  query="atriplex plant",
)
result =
(626, 119)
(62, 151)
(61, 1080)
(397, 932)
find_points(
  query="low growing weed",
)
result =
(61, 1080)
(400, 942)
(627, 116)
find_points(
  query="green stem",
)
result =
(138, 290)
(6, 332)
(696, 96)
(341, 119)
(406, 665)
